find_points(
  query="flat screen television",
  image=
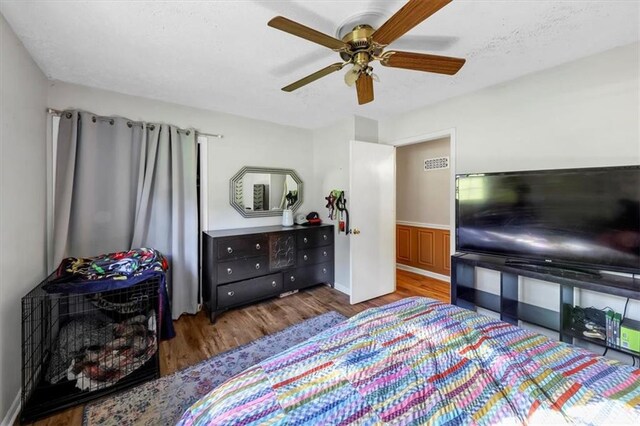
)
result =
(582, 218)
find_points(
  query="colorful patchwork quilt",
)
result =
(420, 361)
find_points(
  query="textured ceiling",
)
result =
(220, 55)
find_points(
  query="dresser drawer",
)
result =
(311, 275)
(311, 237)
(246, 291)
(236, 270)
(236, 247)
(314, 256)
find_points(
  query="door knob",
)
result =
(355, 231)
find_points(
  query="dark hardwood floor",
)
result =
(196, 339)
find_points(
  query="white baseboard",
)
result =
(14, 410)
(424, 225)
(423, 272)
(342, 288)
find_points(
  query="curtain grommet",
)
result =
(111, 121)
(93, 119)
(68, 115)
(129, 124)
(188, 132)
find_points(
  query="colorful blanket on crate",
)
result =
(122, 265)
(420, 361)
(115, 271)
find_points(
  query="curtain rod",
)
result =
(213, 135)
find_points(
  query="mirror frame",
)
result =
(237, 179)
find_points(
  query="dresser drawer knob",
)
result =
(229, 250)
(305, 240)
(293, 278)
(257, 266)
(324, 236)
(305, 257)
(230, 293)
(324, 253)
(229, 271)
(273, 284)
(257, 246)
(324, 270)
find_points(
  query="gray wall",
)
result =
(23, 99)
(580, 114)
(331, 171)
(422, 196)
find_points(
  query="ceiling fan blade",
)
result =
(313, 77)
(364, 87)
(410, 15)
(422, 62)
(287, 25)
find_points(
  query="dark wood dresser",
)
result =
(242, 266)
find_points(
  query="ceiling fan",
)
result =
(364, 44)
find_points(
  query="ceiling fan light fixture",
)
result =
(351, 76)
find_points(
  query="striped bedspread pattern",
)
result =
(419, 361)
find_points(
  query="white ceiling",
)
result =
(221, 55)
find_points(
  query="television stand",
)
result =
(550, 268)
(507, 303)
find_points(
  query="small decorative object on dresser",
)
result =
(287, 217)
(242, 266)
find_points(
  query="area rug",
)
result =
(162, 401)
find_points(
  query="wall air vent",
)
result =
(436, 163)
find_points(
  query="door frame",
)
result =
(428, 137)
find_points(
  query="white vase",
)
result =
(287, 217)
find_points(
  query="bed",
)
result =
(420, 361)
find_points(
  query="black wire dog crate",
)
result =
(78, 347)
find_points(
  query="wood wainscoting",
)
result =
(424, 248)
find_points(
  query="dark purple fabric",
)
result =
(97, 286)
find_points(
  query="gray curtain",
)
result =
(167, 214)
(97, 177)
(122, 185)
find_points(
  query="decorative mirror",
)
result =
(261, 191)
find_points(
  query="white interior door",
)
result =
(372, 216)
